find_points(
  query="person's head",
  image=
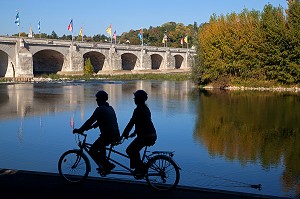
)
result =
(140, 96)
(101, 96)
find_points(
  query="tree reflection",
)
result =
(253, 127)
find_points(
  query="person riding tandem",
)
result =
(105, 118)
(144, 131)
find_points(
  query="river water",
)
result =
(226, 140)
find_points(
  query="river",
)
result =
(227, 140)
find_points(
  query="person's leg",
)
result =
(98, 151)
(133, 151)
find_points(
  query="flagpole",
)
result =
(142, 37)
(72, 30)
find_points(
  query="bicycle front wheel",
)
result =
(74, 166)
(162, 173)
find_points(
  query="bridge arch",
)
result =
(47, 62)
(7, 68)
(178, 61)
(3, 63)
(156, 61)
(129, 61)
(97, 60)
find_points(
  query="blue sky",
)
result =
(96, 15)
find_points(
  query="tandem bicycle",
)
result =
(162, 173)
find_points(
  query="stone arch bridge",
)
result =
(27, 57)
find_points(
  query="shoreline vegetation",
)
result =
(182, 75)
(251, 47)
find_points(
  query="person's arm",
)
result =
(88, 124)
(128, 128)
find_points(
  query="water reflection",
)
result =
(253, 127)
(230, 134)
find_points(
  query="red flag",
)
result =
(70, 26)
(181, 41)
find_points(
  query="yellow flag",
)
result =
(108, 30)
(163, 40)
(186, 39)
(80, 32)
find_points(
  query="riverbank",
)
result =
(170, 75)
(245, 88)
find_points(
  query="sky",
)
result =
(94, 16)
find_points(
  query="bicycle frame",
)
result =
(83, 145)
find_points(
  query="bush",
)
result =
(88, 67)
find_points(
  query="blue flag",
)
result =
(39, 26)
(17, 21)
(140, 36)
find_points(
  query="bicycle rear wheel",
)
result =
(74, 166)
(162, 173)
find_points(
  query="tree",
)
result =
(293, 22)
(53, 35)
(250, 45)
(88, 67)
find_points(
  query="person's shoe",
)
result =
(139, 174)
(110, 166)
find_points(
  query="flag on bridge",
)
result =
(39, 26)
(81, 32)
(181, 41)
(140, 35)
(186, 39)
(17, 21)
(108, 29)
(164, 40)
(70, 26)
(115, 36)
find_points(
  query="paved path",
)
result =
(26, 184)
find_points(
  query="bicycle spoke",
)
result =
(73, 166)
(162, 174)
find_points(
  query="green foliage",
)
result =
(154, 35)
(250, 45)
(88, 67)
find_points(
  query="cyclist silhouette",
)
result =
(105, 118)
(144, 131)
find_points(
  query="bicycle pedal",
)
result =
(139, 176)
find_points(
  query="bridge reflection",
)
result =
(25, 100)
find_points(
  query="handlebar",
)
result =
(122, 139)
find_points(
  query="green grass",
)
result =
(146, 76)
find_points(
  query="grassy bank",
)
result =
(130, 76)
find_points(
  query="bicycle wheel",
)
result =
(74, 166)
(162, 173)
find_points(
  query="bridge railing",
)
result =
(46, 41)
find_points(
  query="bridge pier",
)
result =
(24, 61)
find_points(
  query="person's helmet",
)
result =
(141, 95)
(102, 95)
